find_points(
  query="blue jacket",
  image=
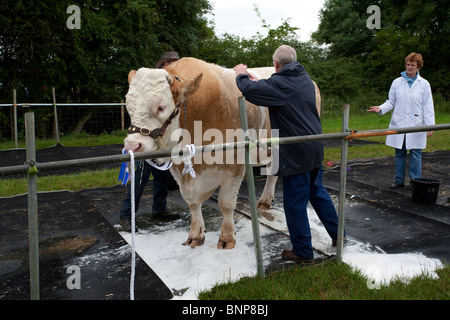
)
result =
(290, 96)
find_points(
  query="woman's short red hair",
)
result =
(415, 57)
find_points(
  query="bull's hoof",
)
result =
(226, 244)
(264, 206)
(194, 242)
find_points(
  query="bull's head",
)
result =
(153, 102)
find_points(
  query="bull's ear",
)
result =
(190, 86)
(131, 75)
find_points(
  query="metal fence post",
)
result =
(343, 184)
(251, 190)
(32, 206)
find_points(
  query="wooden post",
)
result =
(16, 143)
(55, 112)
(122, 116)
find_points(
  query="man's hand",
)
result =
(240, 69)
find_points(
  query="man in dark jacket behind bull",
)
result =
(289, 93)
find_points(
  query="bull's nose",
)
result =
(133, 147)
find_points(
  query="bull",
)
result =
(194, 98)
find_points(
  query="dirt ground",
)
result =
(77, 228)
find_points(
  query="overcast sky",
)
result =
(238, 17)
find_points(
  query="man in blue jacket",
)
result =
(290, 96)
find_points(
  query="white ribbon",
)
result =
(187, 161)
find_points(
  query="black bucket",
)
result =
(425, 190)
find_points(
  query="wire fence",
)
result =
(54, 120)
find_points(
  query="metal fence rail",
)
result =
(31, 168)
(61, 104)
(47, 166)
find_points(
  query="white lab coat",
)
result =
(412, 107)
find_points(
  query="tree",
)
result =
(91, 63)
(256, 51)
(414, 26)
(406, 26)
(38, 51)
(343, 27)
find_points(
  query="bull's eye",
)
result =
(160, 108)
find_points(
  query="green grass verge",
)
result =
(71, 182)
(81, 140)
(329, 281)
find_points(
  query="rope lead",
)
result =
(133, 225)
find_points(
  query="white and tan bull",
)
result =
(207, 97)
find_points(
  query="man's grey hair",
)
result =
(285, 55)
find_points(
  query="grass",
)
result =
(330, 281)
(82, 140)
(71, 182)
(439, 141)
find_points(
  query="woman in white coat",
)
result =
(411, 100)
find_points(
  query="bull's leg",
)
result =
(190, 194)
(197, 231)
(268, 195)
(227, 202)
(188, 189)
(194, 197)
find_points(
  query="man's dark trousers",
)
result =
(297, 191)
(142, 175)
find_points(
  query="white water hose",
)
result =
(188, 169)
(133, 226)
